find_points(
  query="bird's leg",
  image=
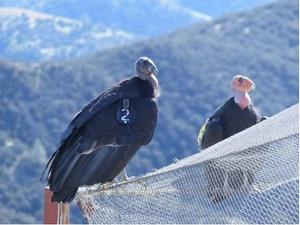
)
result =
(106, 185)
(123, 175)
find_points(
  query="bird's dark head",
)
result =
(146, 70)
(145, 67)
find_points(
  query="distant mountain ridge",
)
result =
(24, 33)
(195, 67)
(95, 25)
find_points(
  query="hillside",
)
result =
(195, 66)
(146, 18)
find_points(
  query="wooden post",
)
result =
(50, 208)
(55, 213)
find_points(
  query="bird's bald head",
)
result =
(145, 67)
(240, 86)
(242, 83)
(146, 70)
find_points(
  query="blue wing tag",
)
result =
(125, 113)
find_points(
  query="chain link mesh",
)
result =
(251, 177)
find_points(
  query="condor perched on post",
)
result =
(106, 134)
(235, 115)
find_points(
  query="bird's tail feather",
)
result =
(48, 164)
(53, 158)
(64, 196)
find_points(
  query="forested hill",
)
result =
(195, 66)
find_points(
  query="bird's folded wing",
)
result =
(122, 90)
(213, 133)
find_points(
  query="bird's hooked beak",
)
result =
(242, 83)
(154, 70)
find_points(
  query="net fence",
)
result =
(251, 177)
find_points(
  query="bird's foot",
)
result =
(122, 180)
(107, 185)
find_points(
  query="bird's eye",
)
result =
(240, 80)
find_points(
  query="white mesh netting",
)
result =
(251, 177)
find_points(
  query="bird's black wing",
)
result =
(213, 133)
(119, 91)
(125, 88)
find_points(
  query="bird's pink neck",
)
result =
(242, 98)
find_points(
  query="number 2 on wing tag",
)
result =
(125, 118)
